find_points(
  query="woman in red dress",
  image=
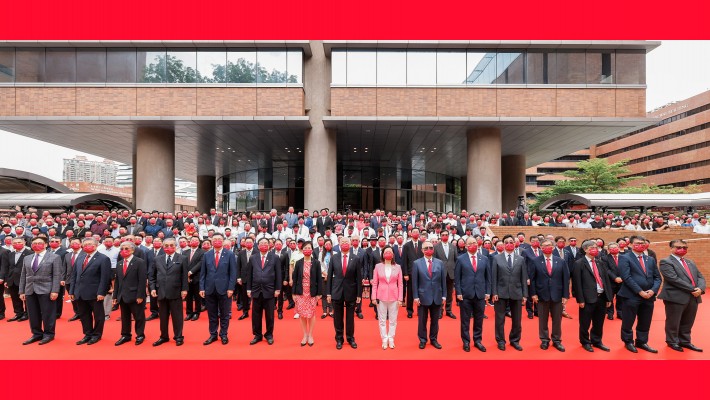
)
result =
(307, 290)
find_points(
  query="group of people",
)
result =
(157, 261)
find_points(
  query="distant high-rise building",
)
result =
(80, 169)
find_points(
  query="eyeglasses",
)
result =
(427, 248)
(125, 248)
(681, 247)
(168, 245)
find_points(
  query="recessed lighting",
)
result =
(288, 151)
(285, 148)
(434, 148)
(239, 160)
(367, 130)
(299, 151)
(354, 151)
(269, 130)
(217, 148)
(229, 148)
(432, 151)
(298, 148)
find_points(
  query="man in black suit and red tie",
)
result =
(411, 251)
(129, 293)
(344, 290)
(263, 286)
(549, 285)
(472, 279)
(592, 288)
(612, 268)
(168, 283)
(193, 255)
(89, 284)
(683, 284)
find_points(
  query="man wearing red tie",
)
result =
(472, 278)
(592, 288)
(549, 285)
(641, 281)
(129, 293)
(612, 268)
(218, 276)
(344, 290)
(429, 291)
(683, 284)
(263, 287)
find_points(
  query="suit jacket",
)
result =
(194, 265)
(398, 257)
(469, 283)
(429, 290)
(450, 262)
(347, 287)
(137, 228)
(577, 255)
(46, 279)
(549, 287)
(264, 281)
(635, 280)
(168, 280)
(409, 255)
(4, 262)
(584, 283)
(218, 278)
(384, 289)
(530, 259)
(677, 286)
(323, 225)
(507, 283)
(87, 284)
(242, 262)
(612, 269)
(317, 286)
(130, 287)
(12, 271)
(368, 259)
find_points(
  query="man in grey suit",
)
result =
(509, 290)
(39, 288)
(446, 252)
(134, 228)
(168, 283)
(683, 284)
(429, 291)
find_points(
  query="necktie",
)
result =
(73, 258)
(473, 262)
(86, 262)
(262, 262)
(35, 263)
(216, 259)
(596, 274)
(535, 250)
(616, 260)
(446, 251)
(430, 272)
(643, 266)
(170, 261)
(345, 263)
(192, 253)
(687, 271)
(549, 266)
(510, 261)
(125, 267)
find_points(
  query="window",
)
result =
(570, 67)
(29, 64)
(181, 66)
(393, 68)
(151, 66)
(599, 67)
(271, 67)
(7, 65)
(421, 68)
(510, 67)
(294, 66)
(211, 66)
(121, 65)
(338, 61)
(630, 67)
(361, 68)
(60, 65)
(241, 66)
(480, 68)
(540, 67)
(451, 68)
(90, 65)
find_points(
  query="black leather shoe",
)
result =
(588, 347)
(225, 340)
(409, 315)
(338, 345)
(2, 316)
(139, 340)
(501, 346)
(122, 340)
(516, 346)
(451, 315)
(675, 347)
(530, 316)
(422, 345)
(45, 340)
(630, 347)
(15, 318)
(243, 316)
(323, 316)
(210, 340)
(23, 317)
(559, 347)
(436, 344)
(601, 347)
(179, 342)
(32, 340)
(485, 316)
(647, 348)
(255, 340)
(509, 315)
(152, 317)
(73, 318)
(692, 347)
(195, 316)
(160, 341)
(290, 306)
(353, 344)
(480, 347)
(441, 314)
(281, 315)
(466, 347)
(359, 315)
(83, 340)
(270, 341)
(544, 346)
(240, 307)
(188, 317)
(94, 340)
(610, 317)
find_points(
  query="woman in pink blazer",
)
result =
(387, 294)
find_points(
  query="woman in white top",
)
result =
(387, 290)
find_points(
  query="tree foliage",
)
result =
(172, 69)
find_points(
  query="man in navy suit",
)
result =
(550, 290)
(264, 280)
(429, 291)
(217, 280)
(531, 253)
(472, 278)
(89, 284)
(398, 249)
(641, 281)
(344, 290)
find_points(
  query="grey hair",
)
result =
(587, 244)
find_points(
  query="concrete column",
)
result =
(154, 169)
(512, 180)
(483, 186)
(320, 148)
(206, 192)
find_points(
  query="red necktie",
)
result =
(125, 267)
(536, 255)
(616, 260)
(345, 263)
(86, 261)
(549, 266)
(643, 266)
(262, 262)
(192, 253)
(73, 258)
(400, 251)
(216, 260)
(687, 271)
(473, 262)
(596, 274)
(430, 272)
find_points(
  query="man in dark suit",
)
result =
(273, 222)
(10, 275)
(683, 284)
(39, 288)
(263, 285)
(509, 289)
(549, 277)
(398, 249)
(641, 282)
(168, 283)
(4, 264)
(56, 248)
(531, 252)
(284, 255)
(412, 251)
(242, 266)
(323, 222)
(69, 262)
(344, 290)
(472, 279)
(151, 254)
(129, 293)
(369, 257)
(193, 304)
(446, 252)
(429, 291)
(573, 250)
(89, 284)
(612, 268)
(217, 280)
(592, 288)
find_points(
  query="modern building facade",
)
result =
(542, 176)
(440, 125)
(80, 169)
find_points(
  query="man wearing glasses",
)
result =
(129, 293)
(168, 283)
(429, 292)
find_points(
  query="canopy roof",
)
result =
(631, 200)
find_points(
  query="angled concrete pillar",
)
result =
(483, 186)
(206, 192)
(154, 169)
(512, 180)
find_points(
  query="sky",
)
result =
(675, 71)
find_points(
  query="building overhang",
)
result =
(626, 200)
(63, 201)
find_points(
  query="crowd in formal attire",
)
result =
(152, 262)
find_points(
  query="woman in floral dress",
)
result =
(307, 290)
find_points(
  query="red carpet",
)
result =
(287, 335)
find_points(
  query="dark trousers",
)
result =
(92, 316)
(631, 309)
(153, 305)
(516, 312)
(449, 293)
(170, 309)
(423, 313)
(2, 298)
(344, 310)
(679, 321)
(60, 302)
(530, 306)
(592, 314)
(472, 308)
(242, 298)
(285, 293)
(552, 309)
(410, 296)
(18, 306)
(261, 306)
(42, 313)
(218, 307)
(73, 304)
(616, 301)
(193, 304)
(135, 310)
